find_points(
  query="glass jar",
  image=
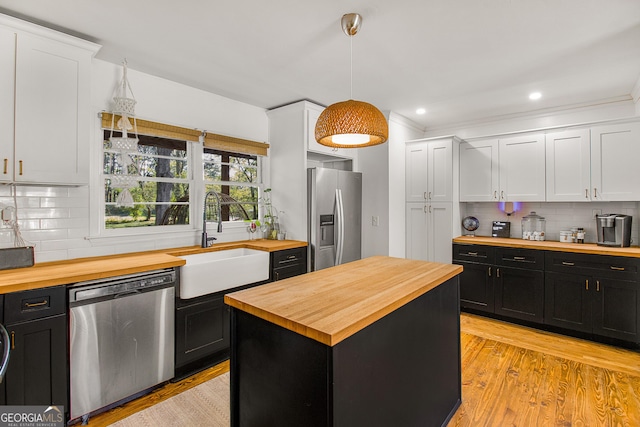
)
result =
(533, 227)
(566, 236)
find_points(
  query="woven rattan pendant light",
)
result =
(351, 124)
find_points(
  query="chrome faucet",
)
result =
(206, 241)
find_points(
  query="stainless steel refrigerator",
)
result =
(334, 217)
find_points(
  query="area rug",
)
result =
(204, 405)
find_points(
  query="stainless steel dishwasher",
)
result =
(121, 338)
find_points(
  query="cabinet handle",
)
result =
(489, 271)
(498, 273)
(472, 253)
(424, 208)
(35, 304)
(13, 340)
(429, 195)
(597, 285)
(424, 195)
(495, 195)
(6, 165)
(568, 263)
(518, 258)
(502, 195)
(429, 208)
(586, 193)
(595, 193)
(277, 276)
(586, 286)
(617, 268)
(20, 163)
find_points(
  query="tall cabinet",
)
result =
(429, 198)
(45, 113)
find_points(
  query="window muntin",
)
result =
(158, 180)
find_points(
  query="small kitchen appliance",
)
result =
(501, 229)
(614, 230)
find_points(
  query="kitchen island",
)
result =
(374, 342)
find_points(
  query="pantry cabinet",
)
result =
(428, 231)
(45, 107)
(505, 169)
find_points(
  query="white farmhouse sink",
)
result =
(211, 272)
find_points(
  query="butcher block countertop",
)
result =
(582, 248)
(47, 274)
(332, 304)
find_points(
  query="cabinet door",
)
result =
(476, 286)
(202, 329)
(479, 173)
(37, 373)
(568, 166)
(416, 223)
(439, 165)
(439, 232)
(615, 308)
(519, 293)
(312, 145)
(567, 301)
(522, 168)
(614, 154)
(52, 114)
(416, 172)
(7, 81)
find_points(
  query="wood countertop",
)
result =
(332, 304)
(79, 270)
(583, 248)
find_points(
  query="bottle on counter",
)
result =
(580, 235)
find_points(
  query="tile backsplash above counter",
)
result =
(559, 216)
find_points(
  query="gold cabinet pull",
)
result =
(587, 284)
(617, 268)
(498, 272)
(20, 163)
(597, 285)
(35, 304)
(518, 258)
(489, 271)
(6, 166)
(472, 253)
(567, 263)
(13, 340)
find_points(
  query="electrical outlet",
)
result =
(375, 220)
(595, 212)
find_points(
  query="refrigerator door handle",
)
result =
(340, 226)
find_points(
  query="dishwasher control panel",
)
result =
(135, 283)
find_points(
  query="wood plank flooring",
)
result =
(511, 376)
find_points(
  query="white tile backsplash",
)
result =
(558, 216)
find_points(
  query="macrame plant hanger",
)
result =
(125, 145)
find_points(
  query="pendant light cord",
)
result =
(351, 66)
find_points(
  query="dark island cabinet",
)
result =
(595, 294)
(288, 263)
(36, 321)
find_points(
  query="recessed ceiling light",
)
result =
(535, 95)
(421, 111)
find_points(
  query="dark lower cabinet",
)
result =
(476, 280)
(288, 263)
(519, 293)
(593, 294)
(36, 321)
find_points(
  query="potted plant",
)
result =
(270, 226)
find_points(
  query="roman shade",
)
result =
(211, 140)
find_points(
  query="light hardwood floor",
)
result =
(511, 376)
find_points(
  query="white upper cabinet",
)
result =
(313, 113)
(479, 171)
(522, 168)
(615, 150)
(50, 101)
(568, 166)
(506, 169)
(429, 171)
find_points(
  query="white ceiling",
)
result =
(462, 60)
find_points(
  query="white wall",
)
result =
(383, 190)
(57, 220)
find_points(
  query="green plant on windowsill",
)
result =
(270, 226)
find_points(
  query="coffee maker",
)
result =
(614, 230)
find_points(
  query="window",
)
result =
(235, 178)
(158, 180)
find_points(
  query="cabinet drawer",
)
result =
(520, 258)
(34, 304)
(474, 253)
(288, 257)
(600, 265)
